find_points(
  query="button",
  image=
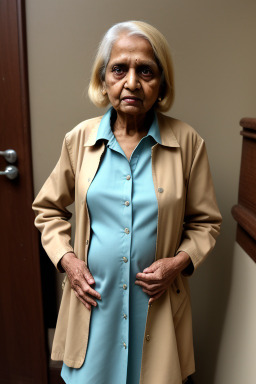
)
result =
(87, 242)
(125, 259)
(178, 291)
(124, 286)
(127, 231)
(125, 316)
(150, 305)
(160, 190)
(128, 177)
(125, 346)
(147, 337)
(127, 203)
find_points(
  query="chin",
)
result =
(132, 110)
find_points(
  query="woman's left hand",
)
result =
(155, 279)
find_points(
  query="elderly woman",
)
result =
(146, 217)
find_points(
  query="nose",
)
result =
(132, 80)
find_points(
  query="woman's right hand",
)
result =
(80, 279)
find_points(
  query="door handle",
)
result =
(10, 155)
(10, 171)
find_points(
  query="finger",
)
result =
(151, 293)
(87, 305)
(89, 300)
(150, 269)
(88, 276)
(85, 296)
(89, 290)
(149, 286)
(85, 287)
(151, 277)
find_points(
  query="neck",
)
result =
(129, 124)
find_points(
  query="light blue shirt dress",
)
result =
(123, 212)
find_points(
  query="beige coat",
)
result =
(188, 220)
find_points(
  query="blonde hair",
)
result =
(161, 51)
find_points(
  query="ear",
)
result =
(103, 89)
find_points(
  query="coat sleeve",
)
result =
(50, 208)
(202, 218)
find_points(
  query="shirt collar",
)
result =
(105, 131)
(161, 130)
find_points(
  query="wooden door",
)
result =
(22, 337)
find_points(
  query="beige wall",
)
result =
(237, 351)
(213, 46)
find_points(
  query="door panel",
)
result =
(22, 337)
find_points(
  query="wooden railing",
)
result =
(245, 211)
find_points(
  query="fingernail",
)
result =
(91, 281)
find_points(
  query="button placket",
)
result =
(125, 257)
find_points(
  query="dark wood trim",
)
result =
(249, 127)
(248, 122)
(249, 134)
(245, 211)
(246, 242)
(246, 219)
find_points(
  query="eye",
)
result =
(146, 71)
(118, 70)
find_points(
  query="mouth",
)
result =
(131, 99)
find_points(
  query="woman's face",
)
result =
(132, 78)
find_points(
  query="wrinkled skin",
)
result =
(80, 279)
(154, 279)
